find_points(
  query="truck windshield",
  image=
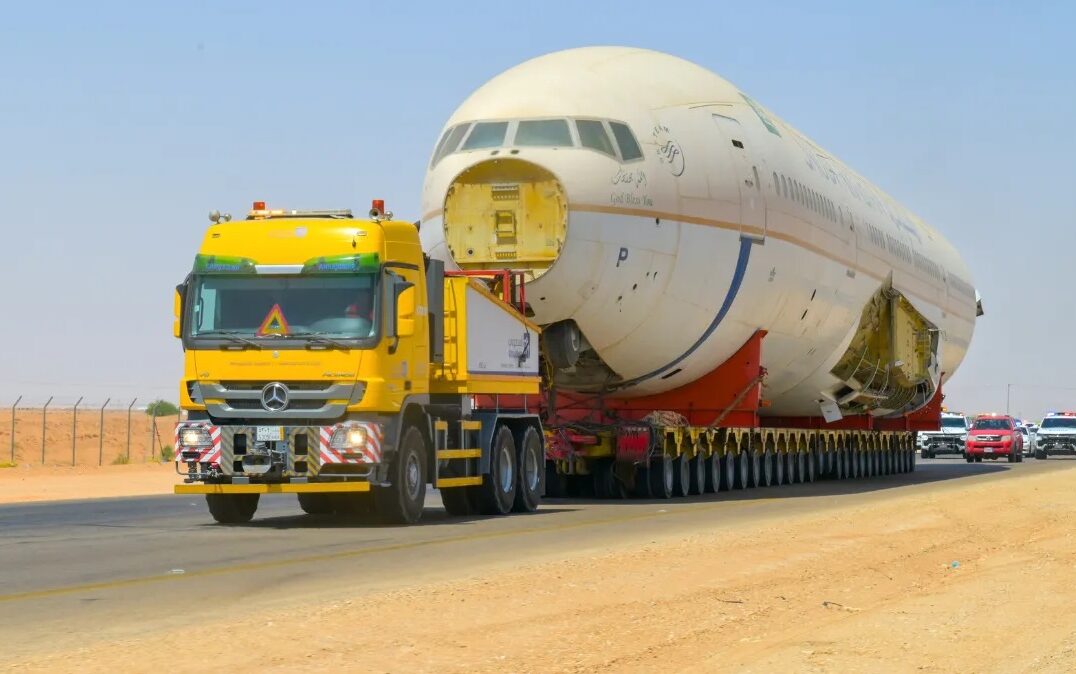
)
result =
(992, 425)
(253, 307)
(953, 423)
(1059, 422)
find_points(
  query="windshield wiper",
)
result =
(232, 337)
(320, 338)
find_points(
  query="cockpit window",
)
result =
(449, 142)
(592, 134)
(486, 134)
(544, 133)
(629, 148)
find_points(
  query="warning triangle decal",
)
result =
(274, 323)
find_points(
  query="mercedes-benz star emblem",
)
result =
(275, 397)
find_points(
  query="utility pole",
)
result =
(1008, 396)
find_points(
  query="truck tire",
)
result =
(728, 467)
(661, 477)
(780, 465)
(604, 480)
(232, 508)
(743, 470)
(767, 468)
(563, 344)
(317, 504)
(682, 473)
(755, 459)
(641, 486)
(401, 502)
(500, 485)
(532, 472)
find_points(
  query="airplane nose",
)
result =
(506, 214)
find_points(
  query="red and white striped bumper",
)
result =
(199, 454)
(368, 452)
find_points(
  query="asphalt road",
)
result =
(112, 568)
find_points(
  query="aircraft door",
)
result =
(750, 174)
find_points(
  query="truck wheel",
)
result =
(532, 470)
(767, 468)
(401, 502)
(232, 508)
(756, 459)
(780, 463)
(563, 343)
(743, 470)
(662, 477)
(603, 477)
(641, 486)
(499, 486)
(682, 473)
(316, 504)
(728, 468)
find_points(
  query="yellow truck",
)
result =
(327, 356)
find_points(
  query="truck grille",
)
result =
(306, 399)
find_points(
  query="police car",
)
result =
(949, 439)
(1056, 435)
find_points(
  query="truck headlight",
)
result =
(195, 437)
(348, 438)
(964, 437)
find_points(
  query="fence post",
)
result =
(16, 404)
(101, 434)
(74, 429)
(129, 429)
(152, 431)
(44, 414)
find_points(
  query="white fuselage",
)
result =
(730, 222)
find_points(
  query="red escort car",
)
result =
(993, 436)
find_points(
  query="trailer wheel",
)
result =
(779, 462)
(767, 468)
(743, 469)
(499, 486)
(699, 469)
(401, 502)
(715, 474)
(604, 479)
(232, 508)
(661, 477)
(813, 458)
(316, 504)
(728, 467)
(755, 464)
(532, 470)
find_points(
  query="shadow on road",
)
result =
(432, 516)
(925, 473)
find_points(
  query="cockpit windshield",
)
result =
(613, 139)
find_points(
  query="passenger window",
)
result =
(450, 141)
(592, 134)
(486, 134)
(544, 133)
(625, 139)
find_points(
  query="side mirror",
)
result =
(177, 309)
(405, 311)
(394, 326)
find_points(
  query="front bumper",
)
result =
(294, 452)
(988, 449)
(945, 445)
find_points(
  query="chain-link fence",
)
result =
(80, 431)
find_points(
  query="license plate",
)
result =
(269, 433)
(989, 450)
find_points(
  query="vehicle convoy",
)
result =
(993, 436)
(1056, 435)
(949, 439)
(724, 303)
(326, 356)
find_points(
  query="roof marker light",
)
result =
(259, 206)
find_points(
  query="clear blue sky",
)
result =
(122, 125)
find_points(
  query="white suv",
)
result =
(1056, 435)
(949, 439)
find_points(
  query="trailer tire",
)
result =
(699, 468)
(604, 480)
(232, 508)
(728, 472)
(682, 472)
(532, 471)
(662, 477)
(743, 470)
(401, 502)
(813, 458)
(780, 462)
(755, 460)
(767, 468)
(715, 474)
(498, 488)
